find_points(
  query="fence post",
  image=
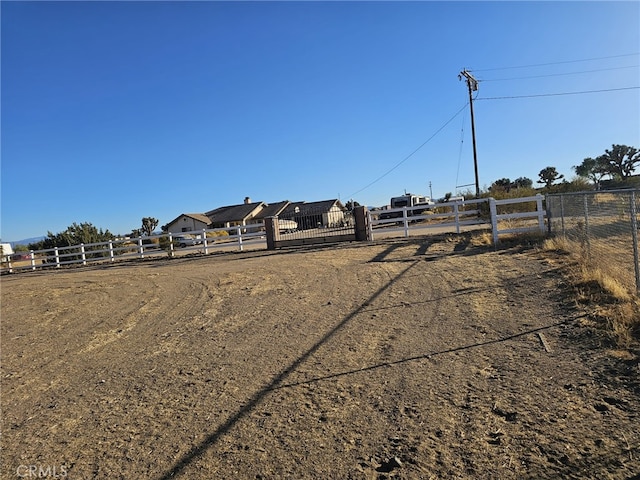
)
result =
(9, 264)
(549, 214)
(140, 248)
(494, 220)
(111, 251)
(82, 252)
(204, 241)
(57, 255)
(634, 235)
(586, 226)
(239, 232)
(272, 231)
(171, 252)
(540, 212)
(405, 219)
(369, 227)
(360, 214)
(562, 214)
(457, 217)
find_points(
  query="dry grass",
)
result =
(482, 239)
(612, 304)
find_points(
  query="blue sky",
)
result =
(114, 111)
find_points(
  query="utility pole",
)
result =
(472, 84)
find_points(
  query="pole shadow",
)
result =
(198, 450)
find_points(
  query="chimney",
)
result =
(247, 200)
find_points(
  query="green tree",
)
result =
(593, 169)
(522, 182)
(75, 234)
(149, 224)
(503, 184)
(350, 205)
(548, 176)
(621, 160)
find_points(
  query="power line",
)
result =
(411, 154)
(461, 145)
(557, 74)
(559, 94)
(555, 63)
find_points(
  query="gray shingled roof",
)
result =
(272, 209)
(310, 208)
(232, 213)
(201, 217)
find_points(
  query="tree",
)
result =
(149, 224)
(621, 160)
(593, 168)
(549, 175)
(522, 182)
(501, 184)
(75, 234)
(350, 205)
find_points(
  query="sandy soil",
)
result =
(419, 359)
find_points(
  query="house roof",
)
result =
(201, 217)
(196, 216)
(272, 209)
(306, 208)
(233, 213)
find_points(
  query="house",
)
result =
(188, 222)
(234, 215)
(325, 213)
(271, 210)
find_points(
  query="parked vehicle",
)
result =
(287, 226)
(408, 200)
(186, 241)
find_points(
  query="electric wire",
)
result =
(411, 154)
(555, 63)
(557, 74)
(558, 94)
(464, 115)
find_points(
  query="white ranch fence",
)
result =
(200, 241)
(460, 215)
(516, 222)
(420, 220)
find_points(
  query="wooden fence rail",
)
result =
(205, 240)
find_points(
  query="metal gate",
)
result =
(318, 222)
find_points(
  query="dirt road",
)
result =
(417, 359)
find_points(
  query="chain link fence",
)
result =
(604, 227)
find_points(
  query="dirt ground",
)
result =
(425, 358)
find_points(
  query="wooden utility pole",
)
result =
(472, 84)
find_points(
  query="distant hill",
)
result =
(27, 241)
